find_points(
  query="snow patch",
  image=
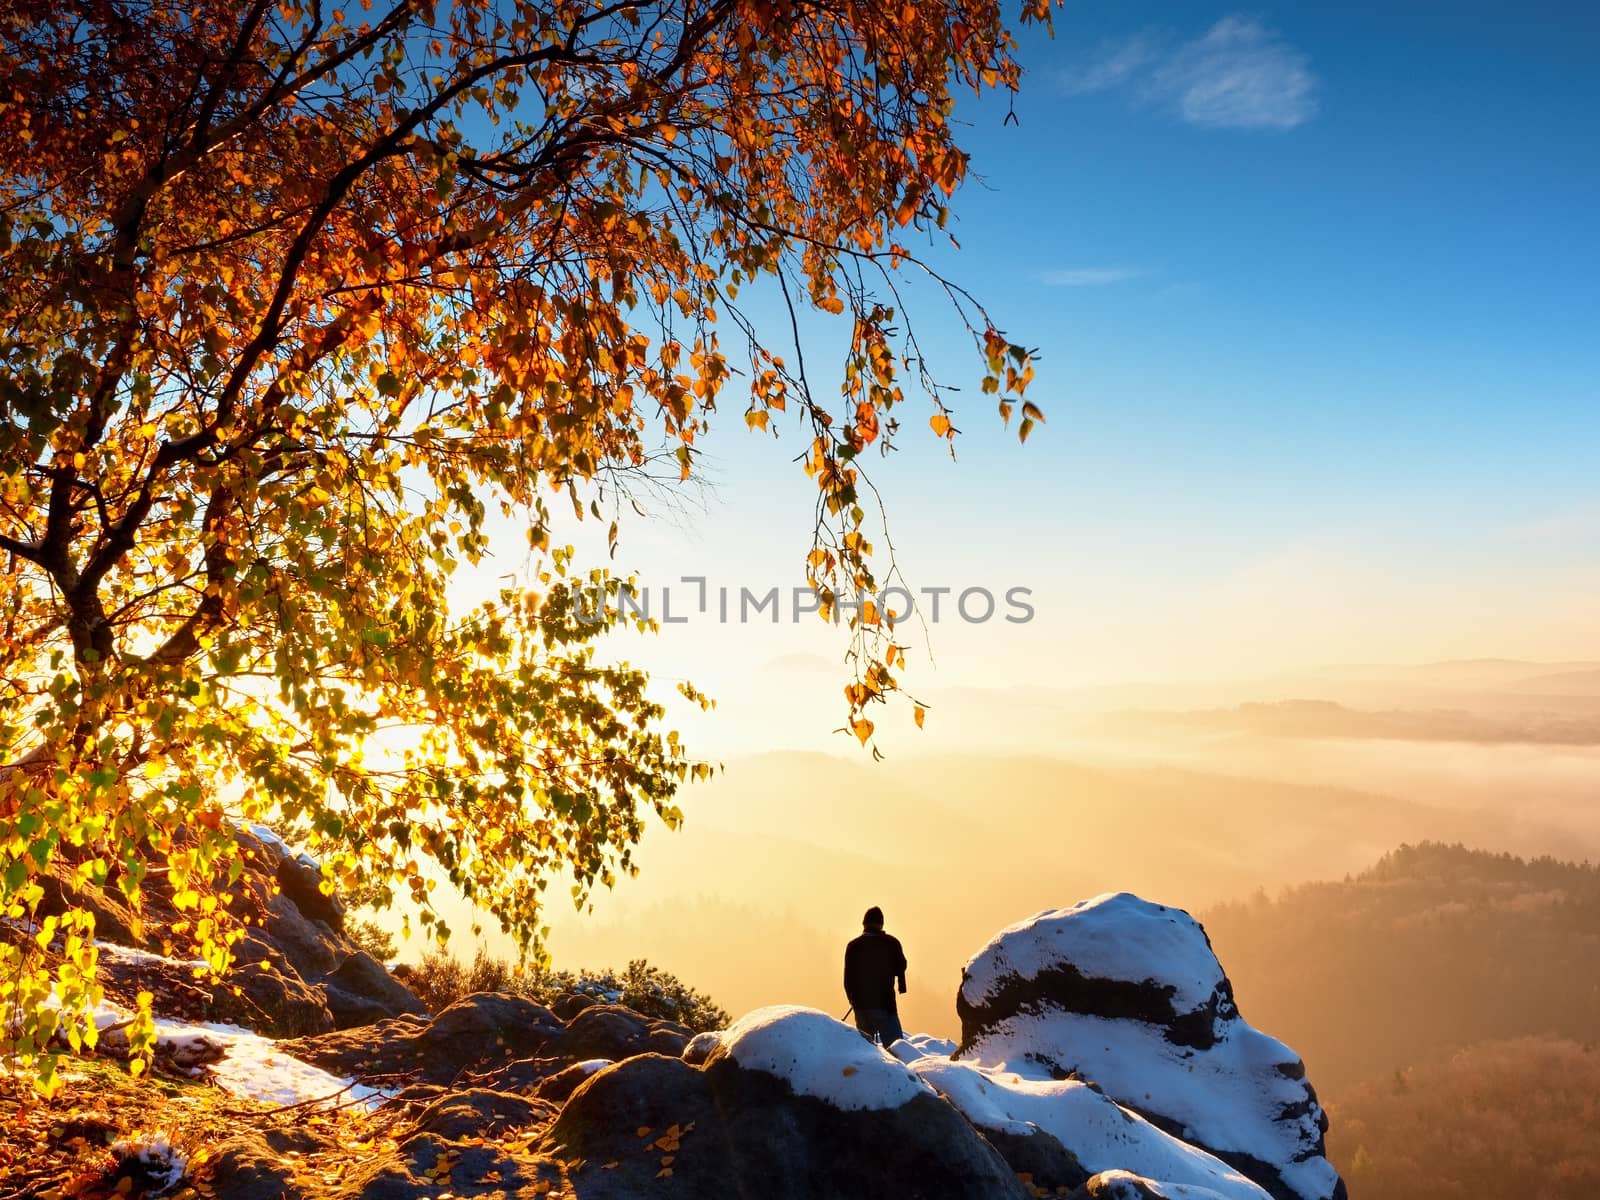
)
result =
(922, 1045)
(1215, 1095)
(159, 1162)
(1113, 936)
(1104, 1135)
(130, 954)
(251, 1066)
(702, 1044)
(267, 834)
(821, 1057)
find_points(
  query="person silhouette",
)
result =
(873, 963)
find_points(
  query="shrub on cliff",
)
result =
(440, 979)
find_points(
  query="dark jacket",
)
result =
(872, 963)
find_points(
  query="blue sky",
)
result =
(1372, 251)
(1316, 291)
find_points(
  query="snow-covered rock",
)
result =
(1129, 995)
(153, 1163)
(1125, 1185)
(700, 1046)
(1098, 1133)
(819, 1056)
(790, 1105)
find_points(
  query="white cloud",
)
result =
(1240, 76)
(1089, 276)
(1237, 75)
(1116, 63)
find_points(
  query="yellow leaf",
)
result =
(941, 424)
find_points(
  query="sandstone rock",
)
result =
(728, 1130)
(571, 1004)
(313, 948)
(560, 1086)
(302, 883)
(271, 1001)
(1128, 994)
(254, 1166)
(295, 875)
(1040, 1157)
(475, 1034)
(666, 1041)
(1060, 1131)
(700, 1046)
(1124, 1185)
(604, 1031)
(478, 1112)
(113, 920)
(361, 992)
(528, 1076)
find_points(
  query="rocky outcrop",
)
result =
(1038, 1158)
(113, 920)
(1102, 1058)
(615, 1032)
(312, 948)
(295, 973)
(441, 1155)
(261, 992)
(658, 1126)
(1129, 994)
(480, 1112)
(474, 1035)
(359, 991)
(1061, 1131)
(260, 1166)
(270, 1000)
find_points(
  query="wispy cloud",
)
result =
(1089, 276)
(1237, 75)
(1114, 64)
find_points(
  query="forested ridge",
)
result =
(1495, 1121)
(1432, 948)
(1446, 1001)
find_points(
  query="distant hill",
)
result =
(1457, 672)
(1328, 719)
(1433, 948)
(1505, 1120)
(1562, 683)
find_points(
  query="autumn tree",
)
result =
(296, 298)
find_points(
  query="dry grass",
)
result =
(63, 1148)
